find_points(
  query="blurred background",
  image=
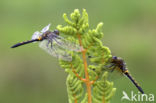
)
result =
(30, 75)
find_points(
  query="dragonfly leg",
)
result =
(51, 44)
(113, 68)
(57, 42)
(109, 66)
(48, 43)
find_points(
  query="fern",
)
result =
(84, 72)
(103, 90)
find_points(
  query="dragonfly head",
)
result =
(56, 32)
(114, 57)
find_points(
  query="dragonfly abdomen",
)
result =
(134, 82)
(23, 43)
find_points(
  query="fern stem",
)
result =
(103, 99)
(77, 75)
(93, 81)
(88, 84)
(75, 100)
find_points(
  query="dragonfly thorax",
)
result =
(56, 32)
(49, 35)
(119, 62)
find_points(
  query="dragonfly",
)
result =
(53, 43)
(118, 64)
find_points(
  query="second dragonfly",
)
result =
(52, 43)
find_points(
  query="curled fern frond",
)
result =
(77, 24)
(67, 30)
(89, 37)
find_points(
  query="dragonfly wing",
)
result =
(36, 35)
(46, 28)
(66, 44)
(55, 50)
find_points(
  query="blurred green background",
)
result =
(30, 75)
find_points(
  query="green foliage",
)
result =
(103, 90)
(77, 30)
(74, 88)
(74, 85)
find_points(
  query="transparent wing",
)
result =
(55, 50)
(36, 35)
(67, 44)
(46, 28)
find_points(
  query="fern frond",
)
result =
(67, 30)
(103, 90)
(105, 53)
(76, 64)
(74, 89)
(85, 99)
(77, 30)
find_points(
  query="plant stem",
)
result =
(103, 99)
(88, 84)
(77, 75)
(75, 100)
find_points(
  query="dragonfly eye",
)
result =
(114, 57)
(56, 32)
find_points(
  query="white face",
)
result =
(37, 33)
